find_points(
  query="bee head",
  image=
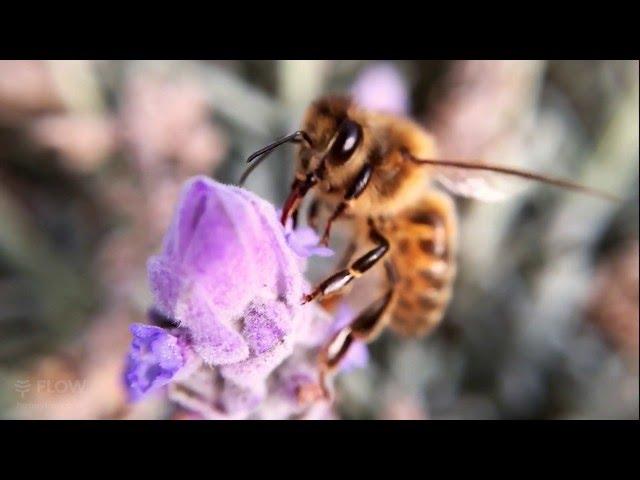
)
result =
(334, 133)
(328, 143)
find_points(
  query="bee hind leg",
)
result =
(365, 327)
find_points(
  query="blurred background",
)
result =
(544, 319)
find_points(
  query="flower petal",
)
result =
(154, 359)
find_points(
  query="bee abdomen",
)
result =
(422, 301)
(423, 253)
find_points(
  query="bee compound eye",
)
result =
(347, 140)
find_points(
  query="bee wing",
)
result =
(476, 179)
(492, 183)
(482, 186)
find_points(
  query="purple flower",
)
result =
(358, 354)
(381, 87)
(224, 256)
(232, 337)
(154, 359)
(304, 241)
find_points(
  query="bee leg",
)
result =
(365, 327)
(332, 302)
(355, 190)
(312, 213)
(338, 281)
(346, 256)
(336, 213)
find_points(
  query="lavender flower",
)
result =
(304, 242)
(230, 278)
(381, 87)
(225, 258)
(154, 359)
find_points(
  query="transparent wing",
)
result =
(484, 186)
(494, 182)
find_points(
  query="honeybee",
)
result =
(380, 172)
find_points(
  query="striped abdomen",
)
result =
(423, 248)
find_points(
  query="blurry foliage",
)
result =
(528, 334)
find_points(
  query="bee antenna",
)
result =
(258, 157)
(558, 182)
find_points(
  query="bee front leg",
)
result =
(338, 281)
(355, 190)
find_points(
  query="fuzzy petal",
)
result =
(304, 241)
(225, 250)
(154, 359)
